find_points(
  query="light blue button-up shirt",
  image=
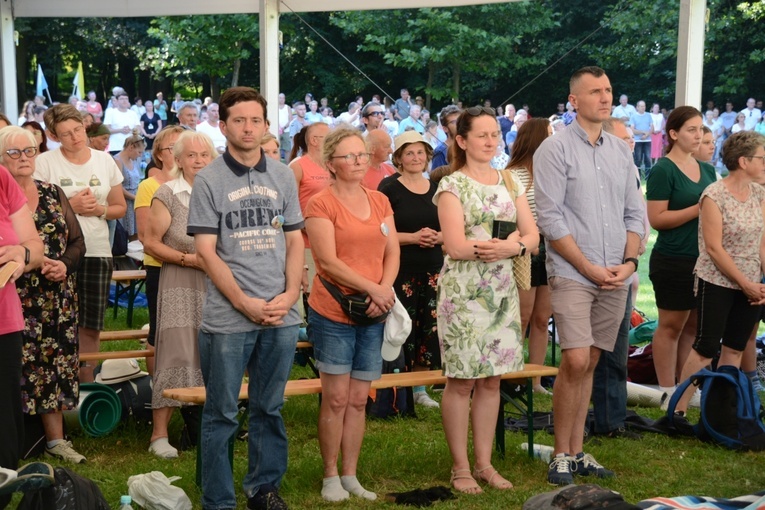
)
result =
(587, 192)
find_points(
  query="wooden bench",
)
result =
(127, 281)
(102, 355)
(197, 395)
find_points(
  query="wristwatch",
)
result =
(633, 260)
(523, 249)
(26, 255)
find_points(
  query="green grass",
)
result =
(401, 455)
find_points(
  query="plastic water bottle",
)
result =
(541, 451)
(126, 503)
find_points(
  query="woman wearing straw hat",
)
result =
(419, 235)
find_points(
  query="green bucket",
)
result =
(99, 411)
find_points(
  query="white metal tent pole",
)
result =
(269, 60)
(690, 52)
(8, 93)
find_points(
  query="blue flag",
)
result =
(42, 84)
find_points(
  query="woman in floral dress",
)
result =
(50, 362)
(478, 311)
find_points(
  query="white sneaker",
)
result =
(65, 451)
(695, 399)
(665, 398)
(422, 398)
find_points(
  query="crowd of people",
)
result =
(382, 204)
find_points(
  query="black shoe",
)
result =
(586, 465)
(623, 433)
(267, 498)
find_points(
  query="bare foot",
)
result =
(492, 478)
(463, 482)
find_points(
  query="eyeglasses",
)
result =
(374, 114)
(71, 134)
(475, 111)
(168, 148)
(353, 158)
(757, 157)
(29, 152)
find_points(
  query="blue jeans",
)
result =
(267, 354)
(609, 384)
(642, 155)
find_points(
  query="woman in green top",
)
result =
(673, 191)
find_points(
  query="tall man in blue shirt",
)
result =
(591, 215)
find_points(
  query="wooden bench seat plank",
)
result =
(128, 275)
(196, 395)
(129, 334)
(98, 356)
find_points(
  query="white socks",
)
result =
(332, 490)
(162, 449)
(352, 485)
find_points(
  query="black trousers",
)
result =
(11, 417)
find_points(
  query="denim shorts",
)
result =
(343, 348)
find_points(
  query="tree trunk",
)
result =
(237, 66)
(214, 88)
(456, 83)
(428, 87)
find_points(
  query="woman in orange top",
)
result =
(355, 246)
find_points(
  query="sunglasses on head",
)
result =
(478, 110)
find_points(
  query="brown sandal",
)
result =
(470, 489)
(478, 475)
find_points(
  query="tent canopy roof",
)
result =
(143, 8)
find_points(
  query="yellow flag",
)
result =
(79, 83)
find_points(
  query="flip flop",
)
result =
(30, 477)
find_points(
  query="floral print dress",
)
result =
(50, 359)
(479, 320)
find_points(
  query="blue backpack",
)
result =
(730, 409)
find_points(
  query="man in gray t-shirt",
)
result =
(245, 218)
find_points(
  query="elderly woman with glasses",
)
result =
(129, 162)
(479, 320)
(355, 247)
(50, 370)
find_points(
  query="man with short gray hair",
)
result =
(188, 115)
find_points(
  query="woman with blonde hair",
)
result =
(270, 145)
(162, 153)
(181, 286)
(355, 246)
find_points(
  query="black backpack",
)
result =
(392, 402)
(730, 409)
(70, 492)
(135, 396)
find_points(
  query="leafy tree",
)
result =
(449, 44)
(214, 46)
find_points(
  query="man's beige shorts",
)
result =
(586, 316)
